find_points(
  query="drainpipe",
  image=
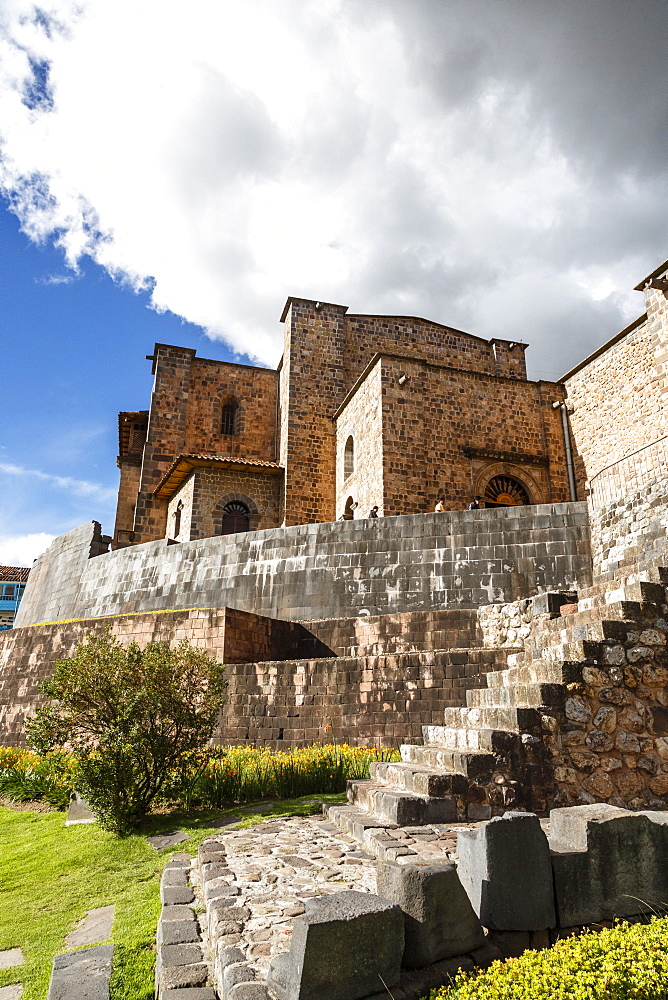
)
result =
(567, 444)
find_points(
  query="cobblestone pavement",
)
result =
(280, 863)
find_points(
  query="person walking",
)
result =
(440, 506)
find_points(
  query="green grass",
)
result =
(50, 875)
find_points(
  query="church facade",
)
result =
(362, 411)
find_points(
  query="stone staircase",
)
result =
(501, 749)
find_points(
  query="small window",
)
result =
(177, 519)
(229, 418)
(349, 458)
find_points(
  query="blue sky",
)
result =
(73, 355)
(495, 165)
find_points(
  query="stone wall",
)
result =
(362, 419)
(370, 700)
(617, 404)
(28, 655)
(278, 693)
(345, 568)
(207, 490)
(186, 405)
(448, 432)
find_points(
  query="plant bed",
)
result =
(624, 962)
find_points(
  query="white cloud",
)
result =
(466, 161)
(77, 487)
(22, 550)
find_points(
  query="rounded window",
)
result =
(504, 491)
(349, 458)
(235, 518)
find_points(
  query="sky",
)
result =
(171, 171)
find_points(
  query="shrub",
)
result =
(621, 963)
(129, 716)
(25, 776)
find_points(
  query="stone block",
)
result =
(179, 954)
(171, 895)
(177, 912)
(505, 868)
(236, 972)
(174, 876)
(11, 957)
(193, 993)
(94, 928)
(79, 811)
(341, 949)
(179, 976)
(177, 931)
(82, 975)
(439, 920)
(608, 863)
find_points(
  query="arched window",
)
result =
(349, 458)
(235, 518)
(228, 423)
(504, 491)
(177, 519)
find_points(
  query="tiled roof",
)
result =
(226, 459)
(13, 574)
(184, 465)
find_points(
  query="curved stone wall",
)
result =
(328, 570)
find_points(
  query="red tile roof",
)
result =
(179, 471)
(13, 574)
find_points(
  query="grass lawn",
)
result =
(50, 875)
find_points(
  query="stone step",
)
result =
(514, 719)
(355, 822)
(400, 807)
(518, 696)
(418, 779)
(469, 740)
(597, 630)
(577, 651)
(537, 672)
(470, 763)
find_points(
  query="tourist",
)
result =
(477, 503)
(373, 512)
(348, 510)
(440, 506)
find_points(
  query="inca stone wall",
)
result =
(28, 655)
(285, 686)
(363, 567)
(617, 405)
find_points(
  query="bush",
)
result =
(130, 716)
(626, 962)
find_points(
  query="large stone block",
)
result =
(505, 868)
(608, 862)
(439, 920)
(343, 947)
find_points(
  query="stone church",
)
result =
(362, 411)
